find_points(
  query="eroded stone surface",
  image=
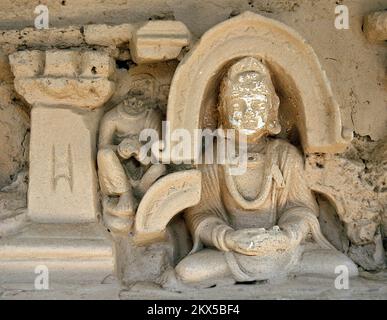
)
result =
(158, 41)
(13, 205)
(376, 176)
(105, 35)
(375, 26)
(14, 132)
(360, 206)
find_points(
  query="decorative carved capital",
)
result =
(63, 77)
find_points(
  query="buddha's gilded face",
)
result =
(249, 103)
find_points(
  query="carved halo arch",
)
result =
(305, 93)
(306, 98)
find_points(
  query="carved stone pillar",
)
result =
(66, 89)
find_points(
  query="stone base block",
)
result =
(62, 176)
(72, 253)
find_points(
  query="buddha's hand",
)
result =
(258, 241)
(128, 148)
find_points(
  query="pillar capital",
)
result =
(72, 78)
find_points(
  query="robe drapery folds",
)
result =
(283, 186)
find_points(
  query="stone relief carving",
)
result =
(121, 172)
(94, 207)
(252, 225)
(249, 34)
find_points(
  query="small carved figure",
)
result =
(258, 225)
(123, 176)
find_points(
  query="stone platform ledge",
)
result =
(73, 253)
(370, 286)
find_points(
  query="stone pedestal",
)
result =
(63, 181)
(72, 253)
(65, 88)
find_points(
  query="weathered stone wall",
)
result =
(14, 130)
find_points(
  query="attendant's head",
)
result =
(135, 104)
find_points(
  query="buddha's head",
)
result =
(248, 101)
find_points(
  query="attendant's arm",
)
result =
(106, 133)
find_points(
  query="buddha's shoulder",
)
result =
(283, 146)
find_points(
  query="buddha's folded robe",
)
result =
(284, 199)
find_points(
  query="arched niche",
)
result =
(307, 104)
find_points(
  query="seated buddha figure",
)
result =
(261, 224)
